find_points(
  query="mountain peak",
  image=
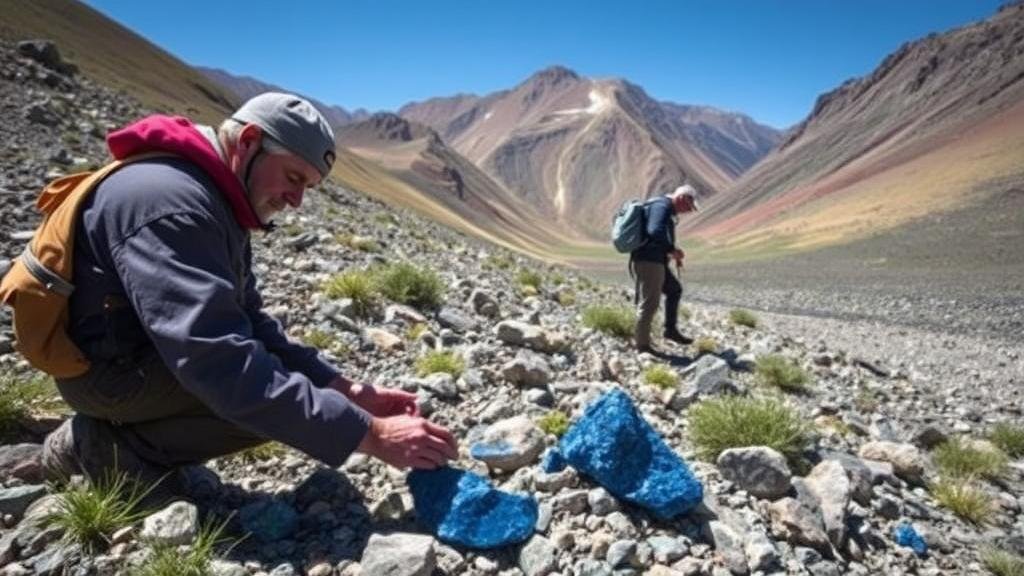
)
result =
(554, 75)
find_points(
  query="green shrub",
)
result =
(357, 285)
(499, 262)
(1009, 438)
(529, 278)
(1001, 562)
(406, 283)
(964, 499)
(556, 279)
(319, 339)
(193, 560)
(21, 396)
(434, 361)
(616, 321)
(555, 423)
(742, 317)
(959, 459)
(707, 345)
(778, 372)
(89, 514)
(661, 376)
(717, 424)
(566, 297)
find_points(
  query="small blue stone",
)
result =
(269, 520)
(906, 536)
(553, 462)
(483, 450)
(462, 508)
(617, 448)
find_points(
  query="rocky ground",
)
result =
(879, 402)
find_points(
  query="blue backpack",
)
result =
(629, 226)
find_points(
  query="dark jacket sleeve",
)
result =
(295, 356)
(178, 275)
(660, 227)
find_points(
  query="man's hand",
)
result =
(380, 402)
(678, 256)
(409, 441)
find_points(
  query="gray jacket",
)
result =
(158, 237)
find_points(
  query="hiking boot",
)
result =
(91, 447)
(678, 338)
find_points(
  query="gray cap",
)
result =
(688, 191)
(295, 124)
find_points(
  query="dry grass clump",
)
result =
(1001, 562)
(742, 317)
(962, 497)
(615, 321)
(357, 285)
(661, 376)
(407, 283)
(957, 458)
(706, 345)
(718, 424)
(437, 361)
(1009, 438)
(778, 372)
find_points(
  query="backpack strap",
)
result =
(52, 281)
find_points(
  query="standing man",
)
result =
(650, 263)
(185, 364)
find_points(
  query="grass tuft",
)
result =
(616, 321)
(89, 514)
(685, 313)
(260, 453)
(778, 372)
(414, 332)
(406, 283)
(717, 424)
(706, 345)
(1009, 438)
(434, 361)
(530, 279)
(21, 396)
(555, 423)
(361, 243)
(661, 376)
(963, 498)
(742, 317)
(194, 560)
(959, 459)
(1001, 562)
(566, 297)
(357, 285)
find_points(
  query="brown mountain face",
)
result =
(576, 148)
(116, 57)
(245, 87)
(938, 126)
(416, 155)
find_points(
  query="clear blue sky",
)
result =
(766, 58)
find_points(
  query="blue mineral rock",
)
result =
(553, 462)
(462, 508)
(269, 520)
(617, 448)
(906, 536)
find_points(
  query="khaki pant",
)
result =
(153, 414)
(654, 279)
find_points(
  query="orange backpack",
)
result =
(38, 285)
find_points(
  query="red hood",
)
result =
(179, 136)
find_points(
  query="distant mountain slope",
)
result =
(246, 87)
(938, 126)
(416, 155)
(117, 57)
(576, 148)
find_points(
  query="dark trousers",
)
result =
(153, 414)
(653, 280)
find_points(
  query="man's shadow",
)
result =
(671, 358)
